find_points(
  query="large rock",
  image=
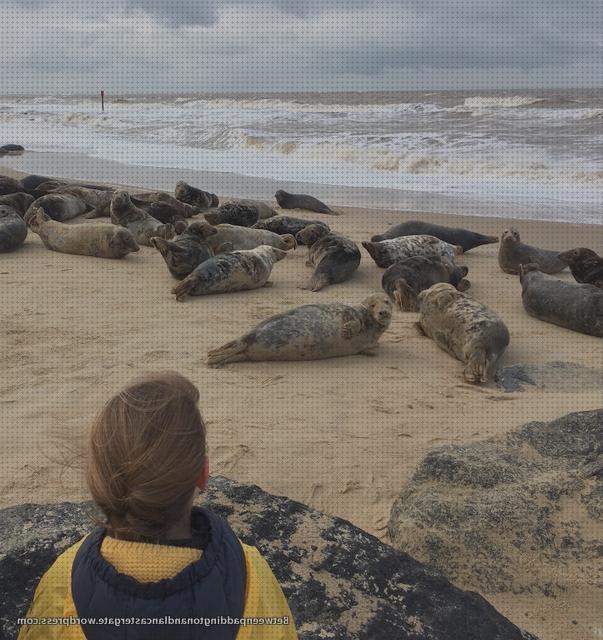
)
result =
(341, 582)
(519, 514)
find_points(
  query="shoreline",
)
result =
(342, 435)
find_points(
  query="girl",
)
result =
(159, 568)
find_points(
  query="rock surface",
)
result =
(521, 514)
(341, 582)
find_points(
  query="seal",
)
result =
(9, 185)
(13, 229)
(452, 235)
(286, 225)
(464, 328)
(32, 182)
(512, 253)
(300, 201)
(264, 210)
(236, 271)
(312, 332)
(235, 213)
(60, 206)
(97, 200)
(142, 226)
(334, 257)
(20, 202)
(98, 240)
(404, 280)
(197, 198)
(586, 266)
(230, 237)
(386, 252)
(164, 207)
(12, 150)
(187, 250)
(578, 307)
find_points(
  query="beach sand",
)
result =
(340, 435)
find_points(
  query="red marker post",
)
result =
(102, 100)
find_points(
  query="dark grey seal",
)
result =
(9, 185)
(20, 201)
(142, 225)
(586, 266)
(235, 213)
(335, 259)
(578, 307)
(60, 206)
(512, 253)
(11, 150)
(300, 201)
(287, 225)
(453, 235)
(186, 251)
(312, 332)
(201, 200)
(404, 280)
(13, 229)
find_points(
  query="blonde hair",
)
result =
(147, 453)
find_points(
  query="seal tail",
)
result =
(405, 297)
(478, 367)
(183, 289)
(230, 352)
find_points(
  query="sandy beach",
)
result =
(340, 435)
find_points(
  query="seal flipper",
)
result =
(230, 352)
(184, 288)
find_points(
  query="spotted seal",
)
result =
(512, 253)
(197, 198)
(404, 280)
(464, 328)
(20, 202)
(227, 272)
(300, 201)
(312, 332)
(335, 259)
(9, 185)
(98, 240)
(386, 252)
(187, 250)
(578, 307)
(13, 229)
(285, 225)
(235, 213)
(452, 235)
(265, 211)
(142, 225)
(586, 266)
(231, 237)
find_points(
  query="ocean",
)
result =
(536, 152)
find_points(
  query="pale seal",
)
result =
(9, 185)
(98, 240)
(288, 225)
(578, 307)
(300, 201)
(20, 201)
(464, 328)
(231, 237)
(227, 272)
(453, 235)
(142, 226)
(512, 253)
(197, 198)
(235, 213)
(312, 332)
(586, 266)
(404, 280)
(13, 229)
(386, 252)
(60, 206)
(186, 251)
(335, 259)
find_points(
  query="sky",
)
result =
(151, 46)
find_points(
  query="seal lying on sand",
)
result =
(187, 250)
(164, 207)
(284, 225)
(405, 279)
(312, 332)
(334, 257)
(13, 229)
(586, 266)
(197, 198)
(12, 150)
(264, 210)
(300, 201)
(98, 200)
(60, 206)
(386, 252)
(20, 202)
(578, 307)
(464, 328)
(98, 240)
(453, 235)
(230, 237)
(236, 271)
(142, 226)
(9, 185)
(512, 253)
(235, 213)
